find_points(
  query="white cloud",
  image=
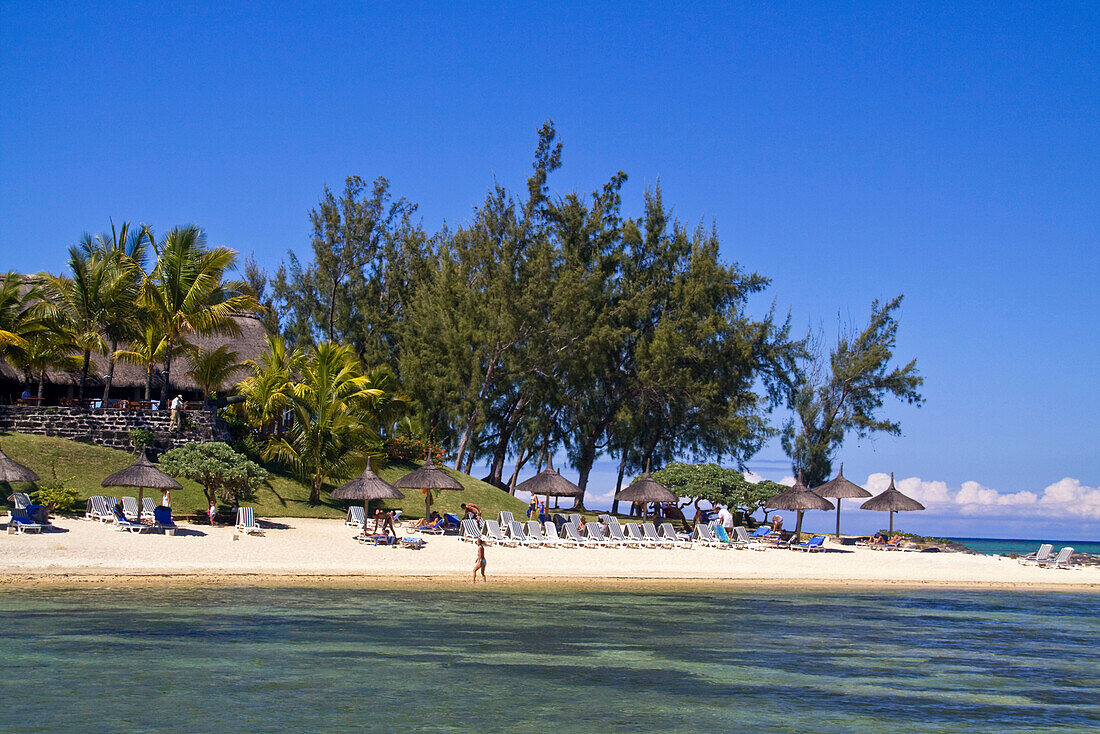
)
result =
(1067, 498)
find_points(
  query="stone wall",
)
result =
(111, 427)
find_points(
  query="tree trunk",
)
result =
(167, 376)
(474, 413)
(619, 482)
(41, 382)
(427, 504)
(470, 460)
(110, 374)
(520, 461)
(84, 373)
(315, 490)
(500, 453)
(148, 382)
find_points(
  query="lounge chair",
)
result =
(148, 508)
(615, 531)
(130, 508)
(552, 536)
(435, 528)
(413, 543)
(377, 539)
(246, 521)
(23, 522)
(604, 519)
(516, 531)
(20, 500)
(1040, 556)
(593, 531)
(1062, 560)
(573, 536)
(162, 518)
(356, 518)
(96, 509)
(451, 523)
(124, 523)
(724, 537)
(493, 534)
(533, 528)
(669, 532)
(634, 532)
(741, 535)
(505, 518)
(816, 543)
(575, 518)
(470, 530)
(704, 535)
(651, 534)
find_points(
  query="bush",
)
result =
(403, 448)
(142, 437)
(222, 472)
(55, 493)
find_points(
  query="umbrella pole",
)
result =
(891, 521)
(141, 496)
(838, 518)
(427, 504)
(798, 528)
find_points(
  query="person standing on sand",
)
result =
(479, 564)
(212, 512)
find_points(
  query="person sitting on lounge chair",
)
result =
(429, 521)
(582, 525)
(777, 524)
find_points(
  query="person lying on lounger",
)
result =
(877, 539)
(427, 522)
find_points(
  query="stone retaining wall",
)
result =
(111, 427)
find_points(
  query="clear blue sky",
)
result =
(947, 151)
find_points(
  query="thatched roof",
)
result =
(798, 497)
(891, 501)
(428, 476)
(142, 473)
(249, 343)
(646, 490)
(12, 471)
(551, 483)
(366, 487)
(840, 488)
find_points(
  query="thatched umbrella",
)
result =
(12, 471)
(550, 483)
(891, 501)
(798, 498)
(646, 490)
(142, 474)
(840, 488)
(367, 486)
(427, 479)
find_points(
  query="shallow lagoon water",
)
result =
(339, 659)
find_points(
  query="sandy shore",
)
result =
(308, 551)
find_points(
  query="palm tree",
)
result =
(212, 369)
(44, 350)
(122, 317)
(267, 387)
(147, 353)
(20, 312)
(186, 293)
(331, 402)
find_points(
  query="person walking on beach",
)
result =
(479, 564)
(177, 413)
(532, 506)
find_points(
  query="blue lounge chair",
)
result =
(816, 543)
(377, 539)
(436, 528)
(123, 523)
(413, 543)
(23, 522)
(451, 523)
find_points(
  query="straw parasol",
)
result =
(367, 486)
(891, 501)
(428, 478)
(840, 488)
(142, 474)
(12, 471)
(550, 483)
(646, 490)
(798, 498)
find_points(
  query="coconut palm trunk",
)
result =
(110, 374)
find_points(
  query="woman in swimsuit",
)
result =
(479, 564)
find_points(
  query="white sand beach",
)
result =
(310, 549)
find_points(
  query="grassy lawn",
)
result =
(286, 497)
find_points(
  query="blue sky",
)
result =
(947, 151)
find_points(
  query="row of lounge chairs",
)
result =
(1046, 558)
(104, 509)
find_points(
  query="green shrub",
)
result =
(223, 473)
(142, 437)
(55, 493)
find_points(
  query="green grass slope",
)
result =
(87, 466)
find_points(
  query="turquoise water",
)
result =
(295, 660)
(1002, 546)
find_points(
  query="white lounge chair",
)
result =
(21, 521)
(356, 517)
(1062, 560)
(130, 508)
(594, 533)
(516, 531)
(552, 537)
(573, 536)
(575, 518)
(470, 530)
(615, 532)
(1040, 556)
(704, 536)
(494, 535)
(21, 500)
(535, 534)
(505, 519)
(651, 534)
(148, 509)
(97, 509)
(638, 537)
(246, 521)
(124, 523)
(669, 532)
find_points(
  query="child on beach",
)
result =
(479, 564)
